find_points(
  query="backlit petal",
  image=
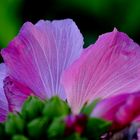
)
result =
(39, 54)
(111, 66)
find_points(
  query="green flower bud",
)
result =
(19, 137)
(56, 107)
(37, 127)
(32, 108)
(56, 129)
(96, 127)
(14, 125)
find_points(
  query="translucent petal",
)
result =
(109, 67)
(39, 54)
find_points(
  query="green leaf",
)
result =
(57, 128)
(14, 125)
(55, 107)
(37, 127)
(91, 7)
(96, 128)
(87, 109)
(19, 137)
(32, 108)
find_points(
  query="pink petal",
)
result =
(109, 67)
(39, 54)
(129, 111)
(3, 100)
(16, 93)
(108, 108)
(137, 119)
(121, 109)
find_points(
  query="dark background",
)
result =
(93, 17)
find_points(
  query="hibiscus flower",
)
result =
(48, 59)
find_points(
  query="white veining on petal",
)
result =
(41, 53)
(109, 67)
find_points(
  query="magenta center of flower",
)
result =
(75, 124)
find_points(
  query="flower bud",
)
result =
(37, 127)
(14, 124)
(56, 129)
(32, 108)
(56, 107)
(19, 137)
(96, 127)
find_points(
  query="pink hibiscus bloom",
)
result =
(46, 52)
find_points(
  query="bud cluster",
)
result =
(52, 119)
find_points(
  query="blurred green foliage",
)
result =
(123, 13)
(97, 16)
(9, 20)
